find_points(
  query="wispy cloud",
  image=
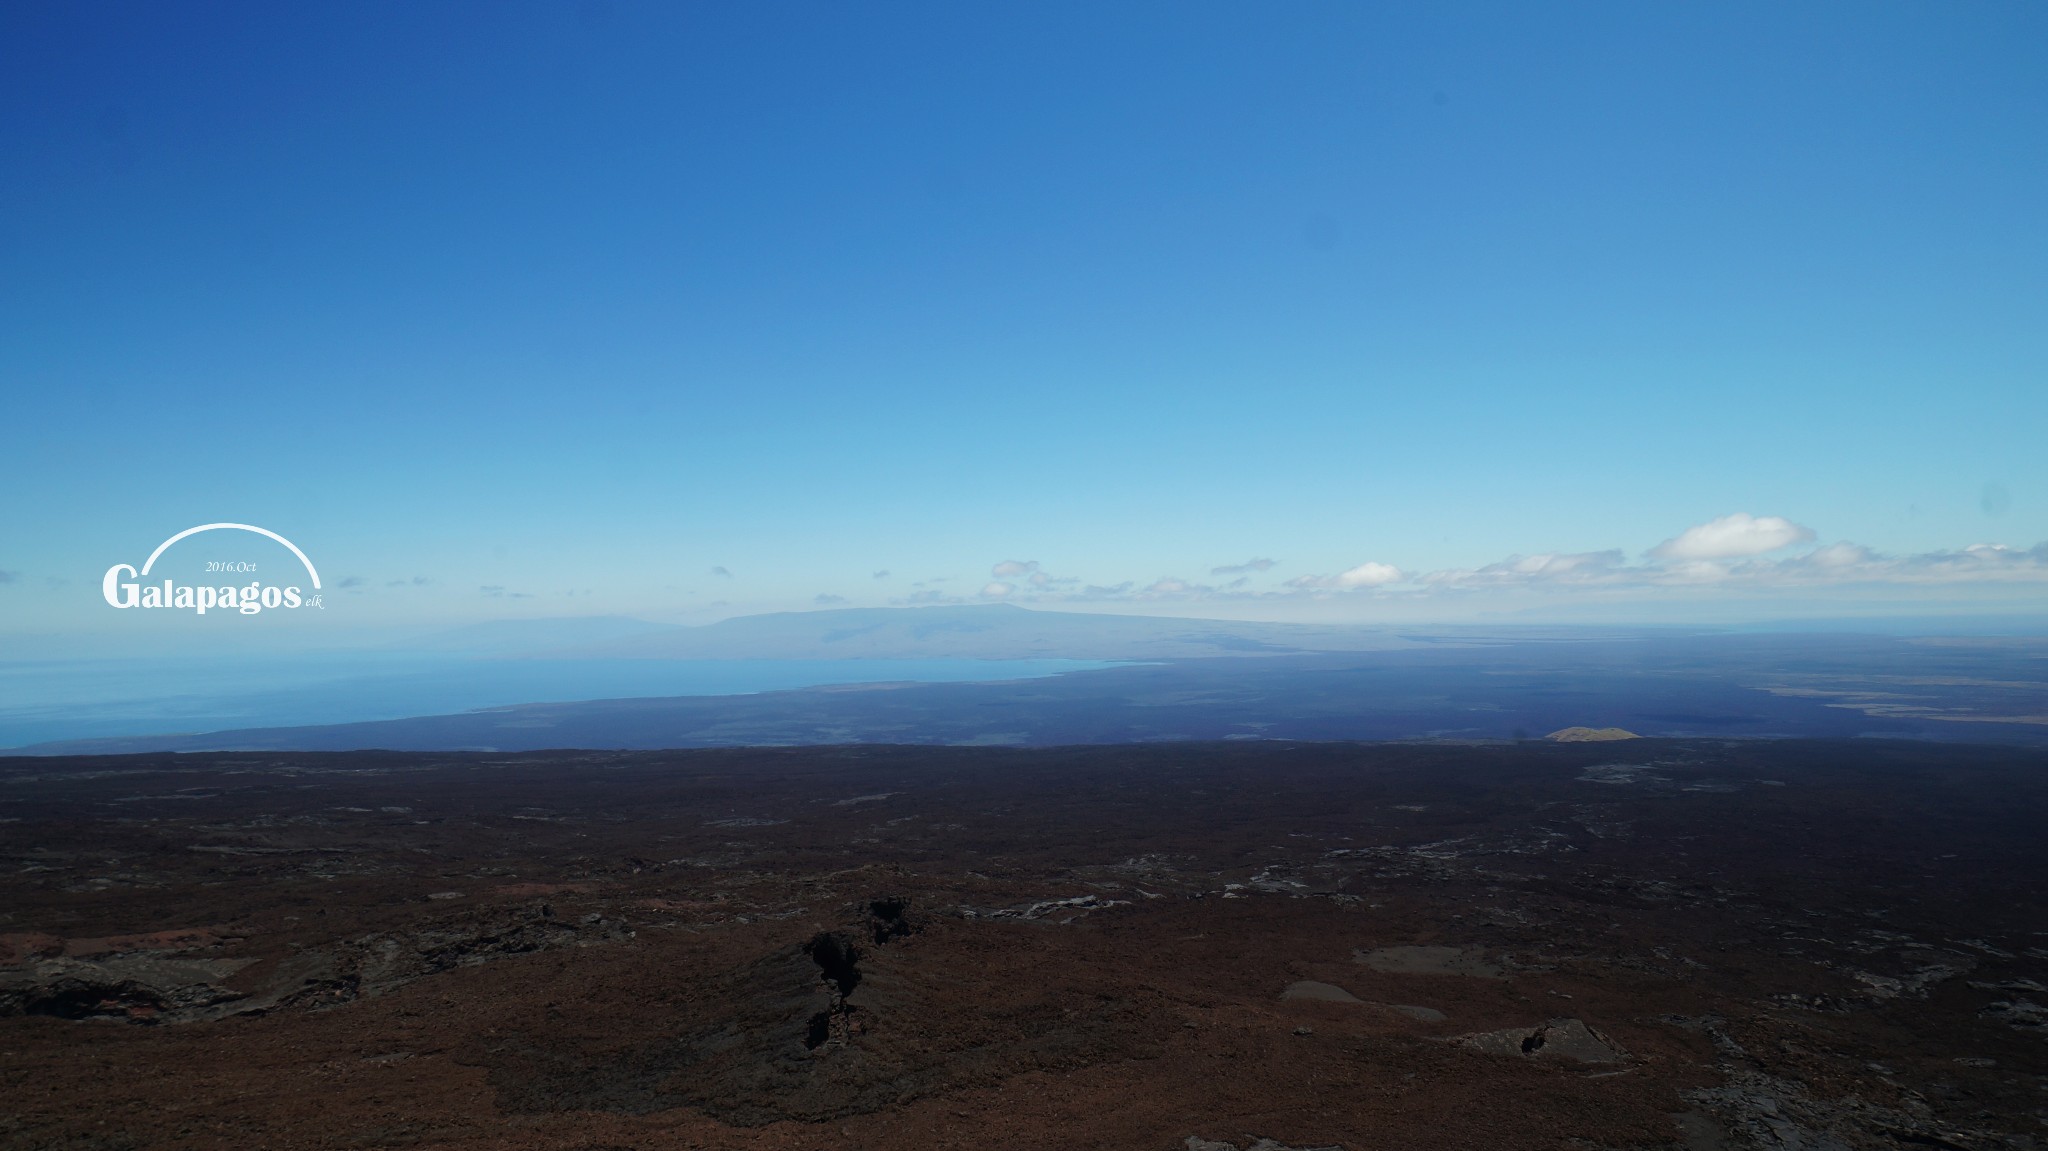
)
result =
(925, 597)
(1548, 568)
(1031, 573)
(9, 577)
(351, 582)
(883, 574)
(1366, 575)
(1836, 564)
(721, 572)
(1734, 552)
(827, 599)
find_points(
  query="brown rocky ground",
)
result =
(1636, 944)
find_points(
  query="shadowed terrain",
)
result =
(1638, 943)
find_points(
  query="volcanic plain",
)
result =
(1202, 946)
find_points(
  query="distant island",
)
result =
(1591, 734)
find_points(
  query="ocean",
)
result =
(47, 700)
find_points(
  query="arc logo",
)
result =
(249, 599)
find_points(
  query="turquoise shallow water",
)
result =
(42, 701)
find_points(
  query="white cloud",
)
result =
(1546, 568)
(1836, 564)
(1366, 575)
(1733, 537)
(1728, 556)
(1369, 574)
(1258, 564)
(1837, 555)
(1558, 565)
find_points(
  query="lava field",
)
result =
(1176, 946)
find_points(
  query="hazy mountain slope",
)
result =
(1856, 687)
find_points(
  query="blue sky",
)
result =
(589, 302)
